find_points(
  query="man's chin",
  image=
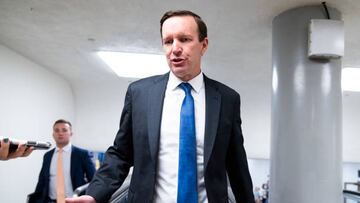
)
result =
(178, 70)
(180, 75)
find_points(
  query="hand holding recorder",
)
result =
(10, 149)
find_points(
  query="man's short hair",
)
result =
(62, 121)
(202, 29)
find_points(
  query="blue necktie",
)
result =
(187, 176)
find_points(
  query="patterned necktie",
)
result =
(60, 185)
(187, 176)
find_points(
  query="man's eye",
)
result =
(185, 39)
(168, 42)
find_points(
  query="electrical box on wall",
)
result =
(326, 39)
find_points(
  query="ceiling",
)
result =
(63, 37)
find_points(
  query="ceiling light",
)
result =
(350, 79)
(134, 65)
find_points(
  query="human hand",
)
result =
(21, 151)
(81, 199)
(4, 149)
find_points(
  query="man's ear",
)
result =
(205, 44)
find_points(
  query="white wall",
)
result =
(98, 111)
(259, 171)
(351, 127)
(31, 99)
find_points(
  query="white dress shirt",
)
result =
(67, 175)
(168, 157)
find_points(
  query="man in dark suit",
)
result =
(78, 168)
(149, 138)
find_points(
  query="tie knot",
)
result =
(186, 87)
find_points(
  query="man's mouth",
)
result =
(177, 61)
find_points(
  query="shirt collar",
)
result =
(67, 148)
(196, 83)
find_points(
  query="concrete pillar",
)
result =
(306, 128)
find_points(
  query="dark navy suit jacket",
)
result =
(82, 170)
(137, 144)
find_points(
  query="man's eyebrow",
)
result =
(178, 36)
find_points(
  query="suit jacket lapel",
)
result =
(213, 102)
(72, 164)
(156, 96)
(47, 161)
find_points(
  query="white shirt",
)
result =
(168, 157)
(67, 175)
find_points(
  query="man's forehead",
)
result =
(179, 21)
(184, 25)
(61, 125)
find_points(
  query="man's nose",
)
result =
(176, 49)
